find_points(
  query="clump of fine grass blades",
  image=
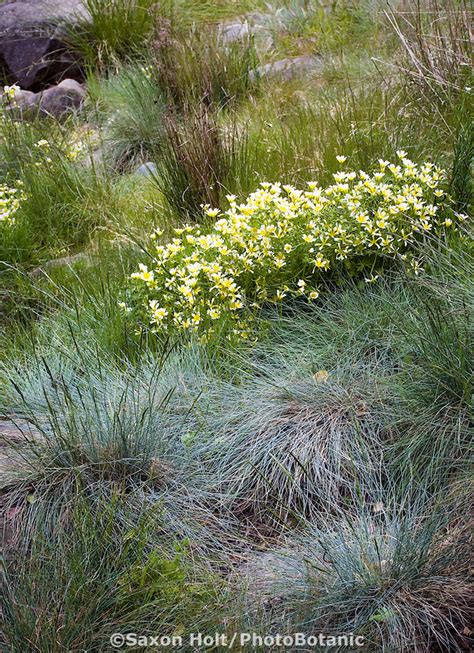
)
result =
(199, 68)
(417, 332)
(54, 393)
(371, 372)
(394, 573)
(134, 107)
(462, 179)
(195, 161)
(96, 423)
(106, 31)
(105, 571)
(283, 440)
(200, 78)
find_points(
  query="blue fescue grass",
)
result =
(285, 438)
(393, 572)
(104, 572)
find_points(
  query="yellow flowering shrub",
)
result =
(10, 200)
(77, 145)
(11, 197)
(281, 240)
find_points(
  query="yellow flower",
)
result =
(279, 262)
(321, 263)
(249, 254)
(144, 274)
(10, 91)
(186, 291)
(226, 283)
(321, 376)
(158, 315)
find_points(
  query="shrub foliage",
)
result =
(282, 241)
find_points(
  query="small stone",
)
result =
(66, 96)
(147, 169)
(234, 31)
(54, 101)
(290, 67)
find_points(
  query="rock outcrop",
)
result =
(33, 53)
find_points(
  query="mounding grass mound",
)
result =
(394, 574)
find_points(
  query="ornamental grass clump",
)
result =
(89, 424)
(108, 567)
(284, 442)
(396, 574)
(283, 241)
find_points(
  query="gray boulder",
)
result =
(32, 52)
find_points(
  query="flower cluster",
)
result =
(76, 147)
(147, 71)
(10, 92)
(281, 240)
(10, 200)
